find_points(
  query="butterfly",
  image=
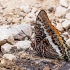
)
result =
(48, 42)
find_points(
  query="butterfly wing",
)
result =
(48, 42)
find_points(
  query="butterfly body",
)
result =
(48, 41)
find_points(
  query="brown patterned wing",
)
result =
(48, 42)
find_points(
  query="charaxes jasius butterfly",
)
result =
(48, 42)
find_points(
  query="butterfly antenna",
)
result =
(26, 35)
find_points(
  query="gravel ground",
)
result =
(13, 15)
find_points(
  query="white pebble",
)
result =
(68, 42)
(34, 10)
(61, 20)
(69, 36)
(63, 3)
(9, 57)
(23, 44)
(6, 48)
(59, 27)
(67, 16)
(66, 24)
(60, 11)
(68, 8)
(30, 18)
(65, 33)
(26, 9)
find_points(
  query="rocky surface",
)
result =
(17, 20)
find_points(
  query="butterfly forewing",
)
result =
(48, 41)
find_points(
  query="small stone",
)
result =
(66, 24)
(2, 42)
(2, 62)
(9, 19)
(68, 8)
(26, 28)
(69, 36)
(10, 57)
(6, 63)
(61, 20)
(15, 20)
(65, 34)
(60, 11)
(67, 16)
(51, 9)
(59, 27)
(23, 44)
(23, 56)
(33, 35)
(68, 42)
(5, 33)
(26, 9)
(34, 10)
(68, 30)
(10, 40)
(63, 3)
(6, 48)
(47, 68)
(3, 69)
(30, 18)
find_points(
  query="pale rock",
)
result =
(6, 48)
(51, 9)
(60, 11)
(3, 69)
(4, 32)
(63, 3)
(2, 62)
(4, 27)
(66, 24)
(22, 0)
(26, 9)
(23, 56)
(10, 40)
(10, 57)
(15, 20)
(0, 17)
(59, 27)
(39, 6)
(4, 35)
(6, 63)
(23, 44)
(2, 42)
(67, 16)
(65, 33)
(26, 28)
(7, 32)
(68, 42)
(46, 67)
(31, 15)
(9, 19)
(33, 35)
(30, 18)
(37, 12)
(69, 36)
(34, 10)
(68, 8)
(61, 20)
